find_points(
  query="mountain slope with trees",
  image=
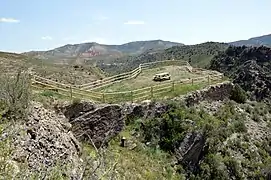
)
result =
(247, 66)
(198, 55)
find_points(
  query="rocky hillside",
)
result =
(202, 135)
(198, 55)
(90, 50)
(255, 41)
(247, 66)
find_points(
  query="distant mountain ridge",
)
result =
(264, 40)
(94, 49)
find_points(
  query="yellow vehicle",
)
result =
(161, 76)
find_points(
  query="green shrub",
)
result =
(213, 168)
(248, 109)
(15, 93)
(239, 126)
(76, 101)
(238, 94)
(167, 131)
(233, 167)
(256, 117)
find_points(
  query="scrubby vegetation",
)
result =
(249, 67)
(238, 94)
(225, 153)
(235, 57)
(198, 55)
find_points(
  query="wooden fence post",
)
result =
(132, 98)
(71, 93)
(103, 98)
(192, 81)
(173, 86)
(151, 92)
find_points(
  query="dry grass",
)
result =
(145, 78)
(64, 73)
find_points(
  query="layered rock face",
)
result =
(217, 92)
(94, 124)
(99, 123)
(191, 150)
(146, 109)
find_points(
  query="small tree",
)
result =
(238, 94)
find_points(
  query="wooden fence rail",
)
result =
(134, 95)
(113, 79)
(86, 90)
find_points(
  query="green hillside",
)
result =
(198, 55)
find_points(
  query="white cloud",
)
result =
(9, 20)
(48, 38)
(134, 22)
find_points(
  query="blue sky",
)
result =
(40, 25)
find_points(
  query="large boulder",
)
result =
(94, 124)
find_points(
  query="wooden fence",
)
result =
(85, 91)
(134, 95)
(129, 75)
(113, 79)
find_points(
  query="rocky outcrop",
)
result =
(74, 110)
(100, 123)
(254, 79)
(216, 92)
(94, 124)
(47, 143)
(146, 109)
(191, 150)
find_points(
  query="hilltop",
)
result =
(93, 49)
(264, 40)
